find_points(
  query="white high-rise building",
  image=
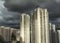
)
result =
(58, 35)
(25, 28)
(36, 27)
(40, 26)
(53, 33)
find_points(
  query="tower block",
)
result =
(37, 25)
(22, 28)
(40, 26)
(55, 35)
(47, 26)
(43, 26)
(51, 32)
(34, 28)
(25, 28)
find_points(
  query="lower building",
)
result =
(6, 33)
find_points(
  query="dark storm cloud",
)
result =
(54, 12)
(53, 9)
(22, 5)
(11, 19)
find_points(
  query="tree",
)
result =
(1, 39)
(18, 42)
(13, 37)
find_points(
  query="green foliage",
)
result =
(1, 39)
(13, 37)
(18, 42)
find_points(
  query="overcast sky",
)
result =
(7, 18)
(11, 19)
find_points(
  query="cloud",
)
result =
(7, 18)
(57, 1)
(1, 4)
(1, 18)
(11, 19)
(0, 12)
(54, 11)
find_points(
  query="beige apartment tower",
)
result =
(58, 35)
(36, 25)
(25, 28)
(40, 26)
(51, 32)
(47, 26)
(35, 28)
(55, 32)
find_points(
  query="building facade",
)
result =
(6, 33)
(36, 28)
